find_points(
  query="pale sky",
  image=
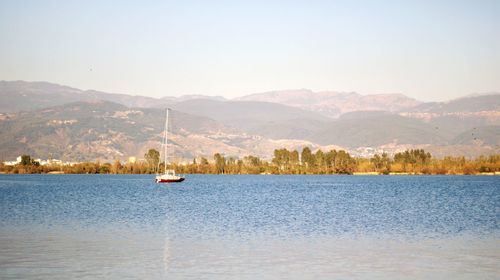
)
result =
(429, 50)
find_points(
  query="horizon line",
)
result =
(473, 94)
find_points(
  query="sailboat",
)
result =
(168, 175)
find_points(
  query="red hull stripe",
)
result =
(170, 180)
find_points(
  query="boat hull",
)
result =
(178, 180)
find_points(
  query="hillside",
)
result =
(89, 130)
(85, 125)
(378, 130)
(104, 130)
(459, 115)
(24, 96)
(246, 115)
(333, 104)
(486, 135)
(478, 103)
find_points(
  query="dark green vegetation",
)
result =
(284, 162)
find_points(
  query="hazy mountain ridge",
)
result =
(459, 115)
(104, 130)
(471, 103)
(24, 96)
(333, 104)
(249, 116)
(378, 130)
(485, 135)
(92, 128)
(21, 95)
(88, 130)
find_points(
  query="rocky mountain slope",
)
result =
(104, 130)
(20, 95)
(250, 116)
(47, 120)
(333, 104)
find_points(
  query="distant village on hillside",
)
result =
(42, 162)
(58, 162)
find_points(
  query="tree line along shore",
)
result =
(414, 162)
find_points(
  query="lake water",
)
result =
(249, 227)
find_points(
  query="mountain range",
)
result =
(334, 104)
(22, 96)
(50, 120)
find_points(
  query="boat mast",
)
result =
(165, 145)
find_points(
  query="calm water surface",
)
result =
(249, 227)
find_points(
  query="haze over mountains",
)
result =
(21, 95)
(49, 120)
(333, 104)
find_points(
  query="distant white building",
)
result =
(54, 162)
(49, 161)
(12, 163)
(132, 160)
(40, 161)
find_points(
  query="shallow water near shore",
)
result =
(248, 227)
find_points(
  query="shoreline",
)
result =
(366, 174)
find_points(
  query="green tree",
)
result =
(204, 166)
(382, 163)
(116, 167)
(294, 162)
(413, 160)
(307, 159)
(281, 159)
(220, 163)
(251, 165)
(27, 160)
(153, 159)
(319, 158)
(344, 163)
